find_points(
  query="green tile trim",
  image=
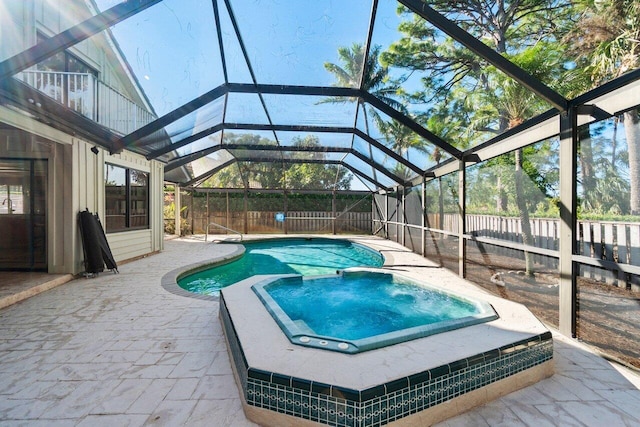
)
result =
(237, 354)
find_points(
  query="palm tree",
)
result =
(400, 137)
(375, 81)
(607, 36)
(513, 104)
(359, 67)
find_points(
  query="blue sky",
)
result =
(173, 49)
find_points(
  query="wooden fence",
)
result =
(615, 242)
(296, 222)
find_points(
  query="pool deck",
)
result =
(121, 350)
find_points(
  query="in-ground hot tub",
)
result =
(363, 310)
(416, 382)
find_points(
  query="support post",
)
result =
(423, 220)
(246, 213)
(207, 221)
(374, 203)
(567, 247)
(192, 213)
(333, 211)
(398, 201)
(177, 208)
(440, 223)
(286, 213)
(403, 224)
(386, 214)
(228, 223)
(462, 213)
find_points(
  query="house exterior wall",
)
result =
(75, 174)
(75, 183)
(16, 144)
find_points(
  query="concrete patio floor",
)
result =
(120, 350)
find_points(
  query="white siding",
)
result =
(130, 244)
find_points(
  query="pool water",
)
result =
(307, 257)
(362, 310)
(361, 307)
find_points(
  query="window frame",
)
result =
(67, 57)
(128, 198)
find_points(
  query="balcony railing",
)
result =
(85, 94)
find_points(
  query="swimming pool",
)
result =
(308, 257)
(359, 310)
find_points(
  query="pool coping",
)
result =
(170, 280)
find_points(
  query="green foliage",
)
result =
(275, 175)
(350, 73)
(549, 208)
(464, 99)
(608, 217)
(610, 194)
(540, 182)
(169, 217)
(606, 38)
(442, 193)
(606, 42)
(377, 82)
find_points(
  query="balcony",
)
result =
(85, 94)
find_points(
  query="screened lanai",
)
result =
(235, 84)
(486, 136)
(287, 83)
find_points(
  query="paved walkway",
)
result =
(119, 350)
(18, 286)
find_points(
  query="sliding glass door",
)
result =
(23, 219)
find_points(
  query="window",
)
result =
(68, 80)
(64, 62)
(126, 198)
